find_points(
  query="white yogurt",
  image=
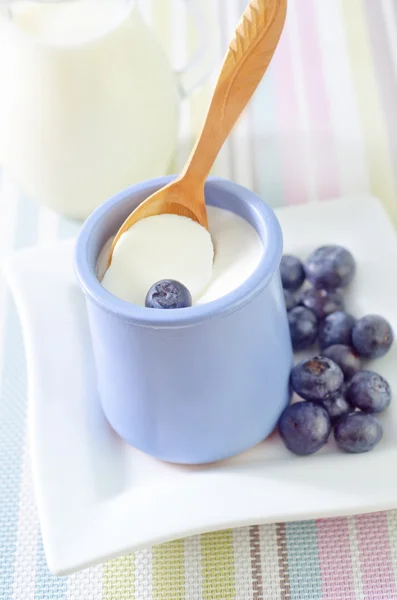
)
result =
(172, 247)
(156, 248)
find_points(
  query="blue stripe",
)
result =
(12, 430)
(303, 561)
(12, 414)
(47, 585)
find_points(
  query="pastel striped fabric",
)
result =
(322, 124)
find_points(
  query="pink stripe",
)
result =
(375, 557)
(295, 184)
(319, 114)
(335, 559)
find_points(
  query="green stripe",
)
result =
(369, 108)
(168, 568)
(118, 579)
(218, 566)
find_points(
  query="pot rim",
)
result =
(266, 224)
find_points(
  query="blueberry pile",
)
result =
(337, 392)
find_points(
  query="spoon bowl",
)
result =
(246, 61)
(168, 200)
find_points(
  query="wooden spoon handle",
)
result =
(247, 59)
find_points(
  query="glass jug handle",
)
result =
(202, 28)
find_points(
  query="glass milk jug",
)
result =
(88, 100)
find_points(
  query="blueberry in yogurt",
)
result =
(292, 272)
(168, 294)
(330, 267)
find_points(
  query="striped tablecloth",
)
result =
(322, 124)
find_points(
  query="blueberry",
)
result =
(336, 329)
(290, 299)
(330, 267)
(358, 432)
(316, 378)
(323, 302)
(369, 392)
(336, 406)
(168, 294)
(303, 327)
(345, 357)
(304, 427)
(372, 336)
(292, 272)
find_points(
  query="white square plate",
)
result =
(98, 498)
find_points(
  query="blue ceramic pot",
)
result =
(200, 384)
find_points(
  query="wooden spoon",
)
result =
(247, 59)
